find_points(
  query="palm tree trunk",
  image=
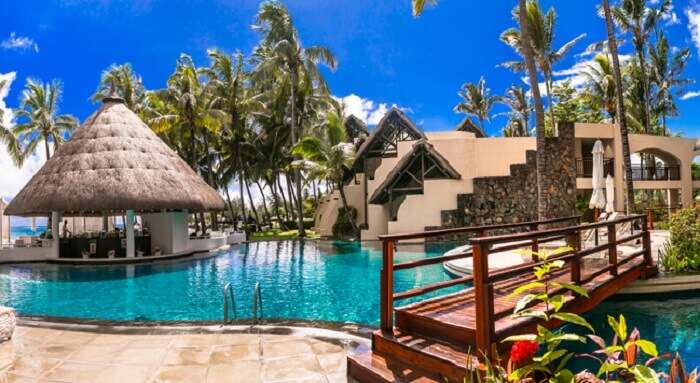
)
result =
(275, 200)
(548, 82)
(526, 48)
(230, 207)
(293, 203)
(49, 220)
(264, 202)
(313, 183)
(345, 207)
(300, 209)
(642, 66)
(240, 193)
(621, 113)
(284, 199)
(252, 204)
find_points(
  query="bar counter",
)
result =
(102, 247)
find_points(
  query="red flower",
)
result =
(523, 350)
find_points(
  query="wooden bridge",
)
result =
(431, 340)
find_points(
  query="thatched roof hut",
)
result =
(114, 163)
(467, 125)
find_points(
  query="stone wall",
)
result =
(512, 199)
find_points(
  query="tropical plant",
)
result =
(619, 361)
(666, 72)
(537, 301)
(637, 18)
(541, 27)
(39, 120)
(281, 50)
(121, 81)
(682, 252)
(600, 81)
(621, 110)
(477, 101)
(330, 157)
(518, 102)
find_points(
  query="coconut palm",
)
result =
(600, 81)
(477, 101)
(419, 5)
(329, 157)
(282, 51)
(8, 138)
(123, 82)
(640, 20)
(518, 102)
(666, 72)
(39, 118)
(621, 110)
(541, 27)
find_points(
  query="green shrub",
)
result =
(682, 253)
(292, 225)
(342, 228)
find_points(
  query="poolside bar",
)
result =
(115, 165)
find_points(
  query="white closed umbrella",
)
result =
(609, 194)
(598, 195)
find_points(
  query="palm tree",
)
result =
(38, 112)
(419, 5)
(621, 112)
(600, 81)
(638, 19)
(529, 57)
(8, 138)
(541, 27)
(517, 100)
(228, 81)
(477, 101)
(122, 81)
(330, 157)
(666, 70)
(285, 52)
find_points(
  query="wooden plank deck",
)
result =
(432, 340)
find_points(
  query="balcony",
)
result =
(656, 173)
(584, 167)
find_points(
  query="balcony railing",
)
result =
(584, 167)
(656, 173)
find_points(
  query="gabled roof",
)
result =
(112, 163)
(438, 167)
(392, 122)
(467, 125)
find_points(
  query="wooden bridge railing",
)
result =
(484, 280)
(388, 267)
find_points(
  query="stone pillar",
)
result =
(130, 241)
(56, 233)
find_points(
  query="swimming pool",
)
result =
(309, 280)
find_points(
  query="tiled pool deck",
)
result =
(66, 355)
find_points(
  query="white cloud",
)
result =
(689, 95)
(12, 178)
(366, 110)
(693, 14)
(21, 43)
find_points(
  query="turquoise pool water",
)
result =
(322, 280)
(312, 280)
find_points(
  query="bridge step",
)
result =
(368, 367)
(442, 358)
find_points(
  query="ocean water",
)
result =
(19, 231)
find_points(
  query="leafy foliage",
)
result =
(682, 252)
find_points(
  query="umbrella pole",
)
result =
(595, 219)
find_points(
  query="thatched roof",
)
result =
(467, 125)
(112, 163)
(393, 127)
(435, 166)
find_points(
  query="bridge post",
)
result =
(535, 242)
(387, 286)
(646, 243)
(574, 241)
(612, 248)
(483, 292)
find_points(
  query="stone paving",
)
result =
(56, 355)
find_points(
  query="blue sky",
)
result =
(385, 55)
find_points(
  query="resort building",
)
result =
(115, 165)
(407, 180)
